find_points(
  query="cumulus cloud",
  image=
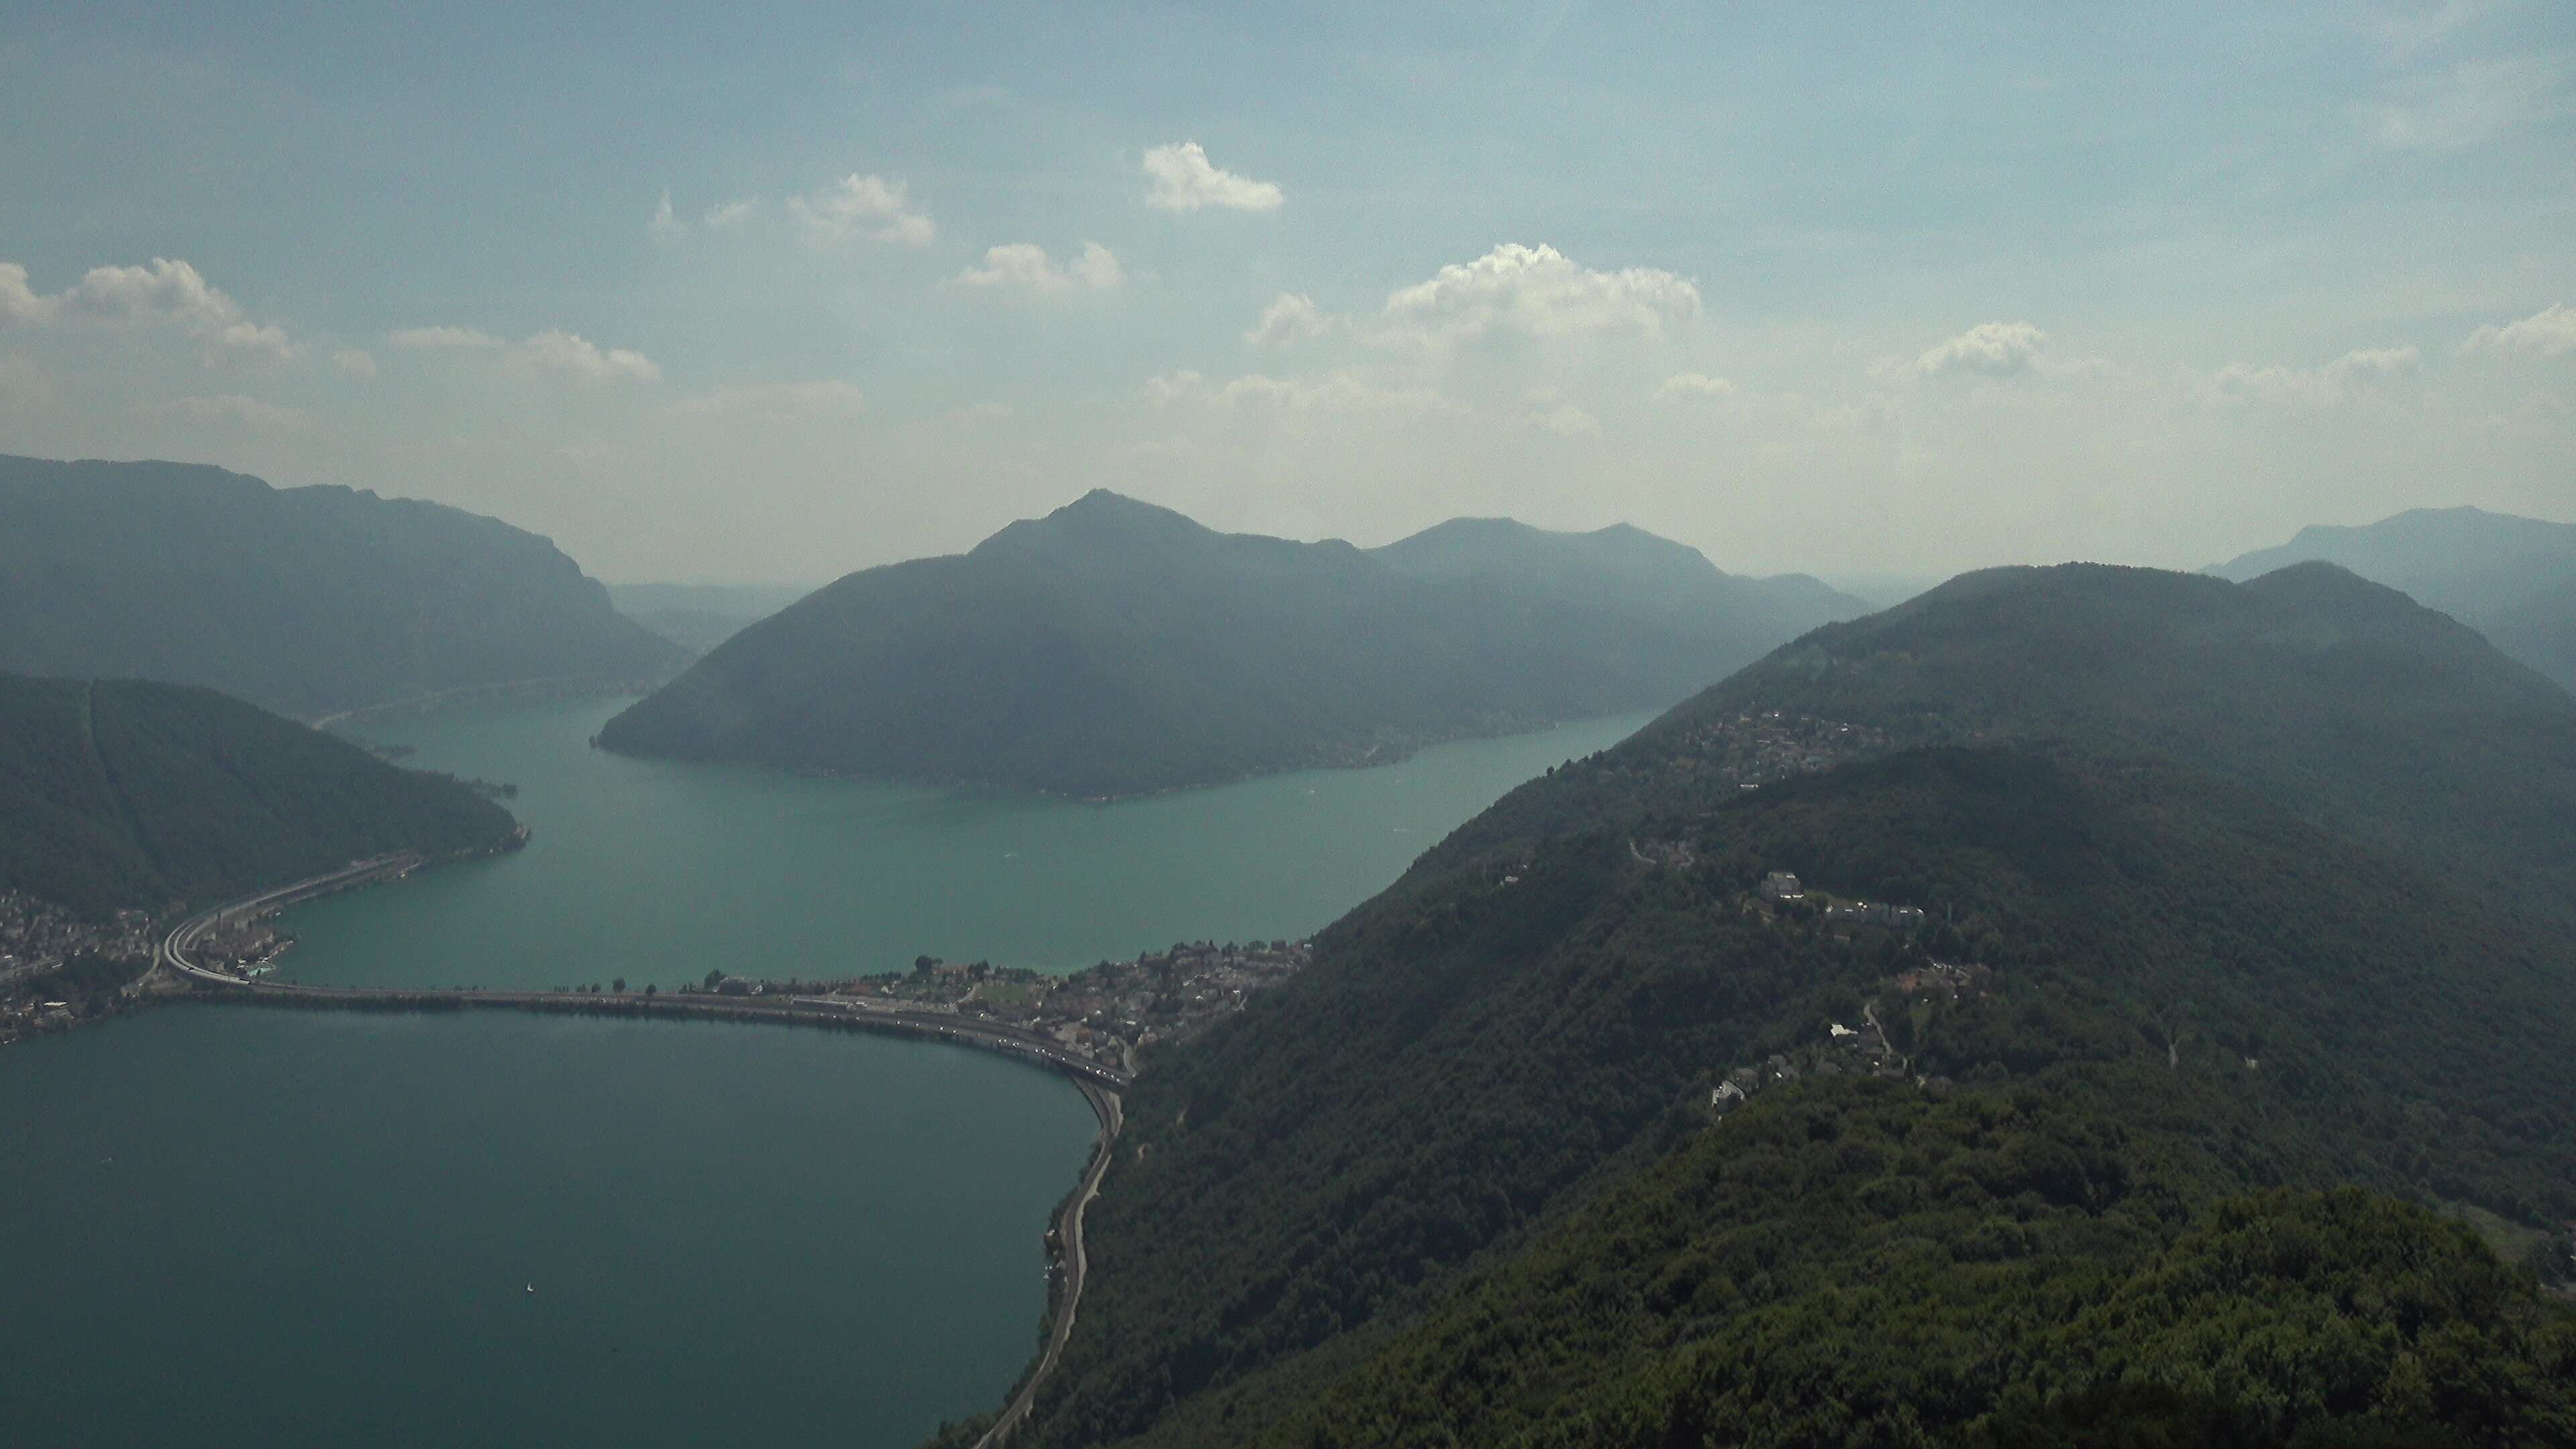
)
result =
(165, 293)
(1179, 177)
(727, 214)
(247, 411)
(1536, 292)
(869, 207)
(354, 362)
(779, 401)
(569, 355)
(2549, 332)
(1989, 349)
(19, 304)
(1338, 392)
(1025, 266)
(2322, 386)
(1693, 387)
(1551, 411)
(553, 351)
(1288, 320)
(428, 339)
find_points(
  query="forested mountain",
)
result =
(2344, 701)
(307, 601)
(2084, 1160)
(1113, 647)
(119, 794)
(2514, 579)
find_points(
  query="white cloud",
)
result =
(779, 401)
(553, 350)
(248, 411)
(577, 357)
(1026, 266)
(1693, 387)
(19, 304)
(727, 214)
(2549, 332)
(1338, 392)
(664, 226)
(1288, 320)
(856, 206)
(1537, 292)
(1547, 409)
(165, 293)
(354, 362)
(1181, 178)
(1989, 349)
(423, 339)
(2314, 387)
(2474, 102)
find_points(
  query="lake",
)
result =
(660, 872)
(235, 1226)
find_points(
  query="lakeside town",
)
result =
(57, 968)
(1104, 1013)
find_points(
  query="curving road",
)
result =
(1077, 1264)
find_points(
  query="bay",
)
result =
(660, 872)
(236, 1226)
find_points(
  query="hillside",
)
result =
(2513, 579)
(120, 794)
(1113, 648)
(2343, 701)
(1460, 1182)
(307, 601)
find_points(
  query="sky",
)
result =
(770, 293)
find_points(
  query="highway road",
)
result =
(1076, 1263)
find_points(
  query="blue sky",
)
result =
(1847, 289)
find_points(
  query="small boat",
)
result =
(532, 1287)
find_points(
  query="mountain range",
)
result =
(1113, 647)
(308, 601)
(2155, 1129)
(2514, 579)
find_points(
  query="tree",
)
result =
(618, 986)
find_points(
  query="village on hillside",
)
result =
(1104, 1012)
(56, 968)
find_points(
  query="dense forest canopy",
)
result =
(307, 601)
(2175, 984)
(119, 794)
(1113, 647)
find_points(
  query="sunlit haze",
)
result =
(768, 296)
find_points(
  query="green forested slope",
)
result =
(120, 794)
(2203, 983)
(2343, 701)
(303, 600)
(2513, 579)
(1113, 647)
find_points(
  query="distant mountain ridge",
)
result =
(308, 601)
(1114, 647)
(2511, 578)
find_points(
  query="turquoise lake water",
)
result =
(234, 1226)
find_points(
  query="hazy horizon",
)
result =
(771, 300)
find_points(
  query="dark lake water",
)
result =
(233, 1226)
